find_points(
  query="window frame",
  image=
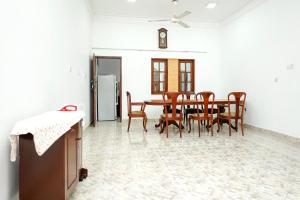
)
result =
(192, 62)
(154, 60)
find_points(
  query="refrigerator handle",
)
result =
(116, 92)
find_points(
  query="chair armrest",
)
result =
(142, 104)
(137, 103)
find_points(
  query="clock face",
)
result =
(163, 35)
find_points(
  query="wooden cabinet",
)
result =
(54, 174)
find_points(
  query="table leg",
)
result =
(170, 122)
(157, 125)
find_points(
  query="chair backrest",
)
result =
(172, 98)
(239, 99)
(128, 102)
(208, 102)
(189, 96)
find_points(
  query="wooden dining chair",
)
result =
(171, 98)
(136, 114)
(190, 109)
(208, 105)
(236, 113)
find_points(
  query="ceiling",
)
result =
(155, 9)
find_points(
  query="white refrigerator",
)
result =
(107, 98)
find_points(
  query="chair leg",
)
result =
(180, 127)
(229, 123)
(129, 121)
(211, 127)
(242, 126)
(207, 126)
(186, 119)
(167, 127)
(199, 127)
(236, 124)
(145, 123)
(218, 121)
(190, 125)
(161, 125)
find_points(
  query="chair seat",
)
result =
(200, 115)
(231, 115)
(170, 116)
(137, 113)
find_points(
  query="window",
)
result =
(186, 76)
(173, 75)
(159, 76)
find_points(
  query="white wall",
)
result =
(256, 49)
(136, 67)
(38, 41)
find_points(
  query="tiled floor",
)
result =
(140, 166)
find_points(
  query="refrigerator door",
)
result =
(106, 97)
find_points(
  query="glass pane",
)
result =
(182, 67)
(162, 66)
(156, 87)
(182, 88)
(156, 76)
(188, 67)
(189, 87)
(182, 78)
(162, 87)
(188, 77)
(156, 66)
(162, 76)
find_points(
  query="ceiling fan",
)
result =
(175, 19)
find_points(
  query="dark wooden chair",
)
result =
(237, 113)
(136, 114)
(167, 118)
(207, 108)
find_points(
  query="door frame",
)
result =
(121, 84)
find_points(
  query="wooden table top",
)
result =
(160, 102)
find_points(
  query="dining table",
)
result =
(186, 102)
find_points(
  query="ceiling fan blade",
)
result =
(159, 20)
(185, 13)
(183, 24)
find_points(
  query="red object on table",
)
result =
(69, 108)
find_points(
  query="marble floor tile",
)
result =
(142, 166)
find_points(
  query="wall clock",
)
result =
(163, 38)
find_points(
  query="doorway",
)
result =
(107, 92)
